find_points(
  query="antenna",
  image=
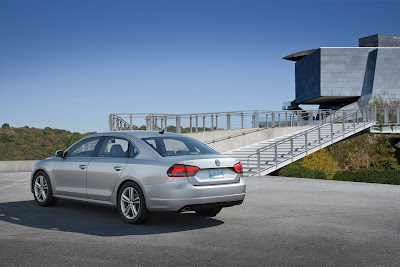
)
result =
(162, 132)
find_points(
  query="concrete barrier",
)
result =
(17, 165)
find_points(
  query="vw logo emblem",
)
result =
(217, 162)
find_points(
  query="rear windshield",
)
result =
(178, 146)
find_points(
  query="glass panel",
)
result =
(114, 148)
(84, 149)
(178, 146)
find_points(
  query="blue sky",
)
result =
(68, 64)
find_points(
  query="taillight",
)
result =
(238, 167)
(180, 170)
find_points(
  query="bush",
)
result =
(301, 172)
(369, 176)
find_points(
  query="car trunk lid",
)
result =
(216, 170)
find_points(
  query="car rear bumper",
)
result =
(175, 196)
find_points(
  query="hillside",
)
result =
(365, 152)
(32, 143)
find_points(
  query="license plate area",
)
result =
(216, 173)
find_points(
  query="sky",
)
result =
(68, 64)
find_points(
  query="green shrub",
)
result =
(369, 176)
(301, 172)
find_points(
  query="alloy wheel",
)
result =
(41, 188)
(130, 203)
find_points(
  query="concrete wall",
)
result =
(243, 140)
(17, 165)
(343, 71)
(335, 74)
(308, 77)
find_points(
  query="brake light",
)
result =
(180, 170)
(238, 167)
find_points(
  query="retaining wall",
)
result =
(17, 165)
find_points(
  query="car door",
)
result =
(104, 170)
(70, 171)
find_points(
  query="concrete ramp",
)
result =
(267, 156)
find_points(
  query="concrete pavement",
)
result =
(282, 222)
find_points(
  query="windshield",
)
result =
(178, 146)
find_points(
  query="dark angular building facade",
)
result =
(335, 77)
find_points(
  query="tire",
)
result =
(42, 191)
(132, 205)
(208, 212)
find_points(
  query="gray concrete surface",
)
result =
(282, 222)
(242, 140)
(17, 165)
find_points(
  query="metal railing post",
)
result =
(178, 124)
(331, 122)
(212, 122)
(256, 119)
(279, 119)
(190, 119)
(291, 148)
(286, 120)
(397, 115)
(386, 115)
(292, 119)
(354, 122)
(165, 124)
(228, 121)
(258, 161)
(242, 120)
(266, 120)
(276, 155)
(204, 122)
(110, 122)
(197, 124)
(273, 120)
(306, 143)
(343, 122)
(374, 115)
(216, 121)
(319, 137)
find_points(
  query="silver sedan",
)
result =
(141, 172)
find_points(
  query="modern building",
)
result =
(337, 77)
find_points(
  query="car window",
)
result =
(114, 148)
(178, 146)
(84, 148)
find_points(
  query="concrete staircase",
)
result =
(267, 156)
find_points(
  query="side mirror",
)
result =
(60, 153)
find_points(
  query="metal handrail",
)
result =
(216, 120)
(365, 117)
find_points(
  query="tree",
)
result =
(5, 125)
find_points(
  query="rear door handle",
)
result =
(82, 167)
(117, 168)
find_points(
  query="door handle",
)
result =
(82, 167)
(117, 168)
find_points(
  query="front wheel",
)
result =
(208, 212)
(42, 190)
(132, 205)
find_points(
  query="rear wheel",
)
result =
(42, 190)
(132, 205)
(209, 212)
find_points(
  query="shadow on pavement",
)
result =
(70, 216)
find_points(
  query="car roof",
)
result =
(136, 133)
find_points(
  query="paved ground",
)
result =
(283, 222)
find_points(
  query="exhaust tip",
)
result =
(187, 208)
